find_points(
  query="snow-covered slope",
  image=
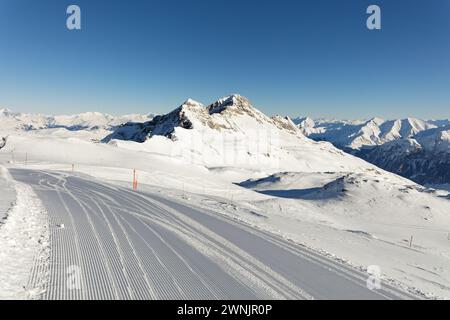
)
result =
(17, 121)
(24, 238)
(232, 133)
(435, 140)
(400, 225)
(10, 121)
(233, 114)
(306, 125)
(94, 120)
(357, 135)
(413, 148)
(303, 190)
(424, 159)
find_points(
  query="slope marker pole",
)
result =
(134, 180)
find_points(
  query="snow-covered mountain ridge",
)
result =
(231, 132)
(414, 148)
(359, 134)
(226, 114)
(230, 158)
(18, 121)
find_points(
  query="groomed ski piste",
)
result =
(108, 242)
(230, 204)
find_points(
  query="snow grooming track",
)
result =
(131, 245)
(232, 259)
(25, 247)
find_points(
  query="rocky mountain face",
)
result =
(413, 148)
(230, 114)
(230, 132)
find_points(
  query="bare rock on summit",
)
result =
(233, 113)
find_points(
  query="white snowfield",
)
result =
(258, 203)
(8, 194)
(117, 244)
(24, 243)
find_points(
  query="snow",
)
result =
(232, 133)
(8, 194)
(306, 125)
(414, 148)
(367, 218)
(362, 134)
(24, 242)
(435, 140)
(402, 146)
(17, 121)
(232, 159)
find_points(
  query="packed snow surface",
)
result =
(24, 244)
(230, 159)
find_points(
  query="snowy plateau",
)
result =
(230, 204)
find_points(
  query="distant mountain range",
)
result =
(10, 120)
(413, 148)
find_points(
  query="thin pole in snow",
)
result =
(26, 158)
(134, 180)
(410, 242)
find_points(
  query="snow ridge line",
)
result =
(25, 248)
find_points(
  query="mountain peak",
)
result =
(5, 111)
(232, 102)
(233, 113)
(192, 103)
(376, 120)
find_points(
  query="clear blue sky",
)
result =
(302, 57)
